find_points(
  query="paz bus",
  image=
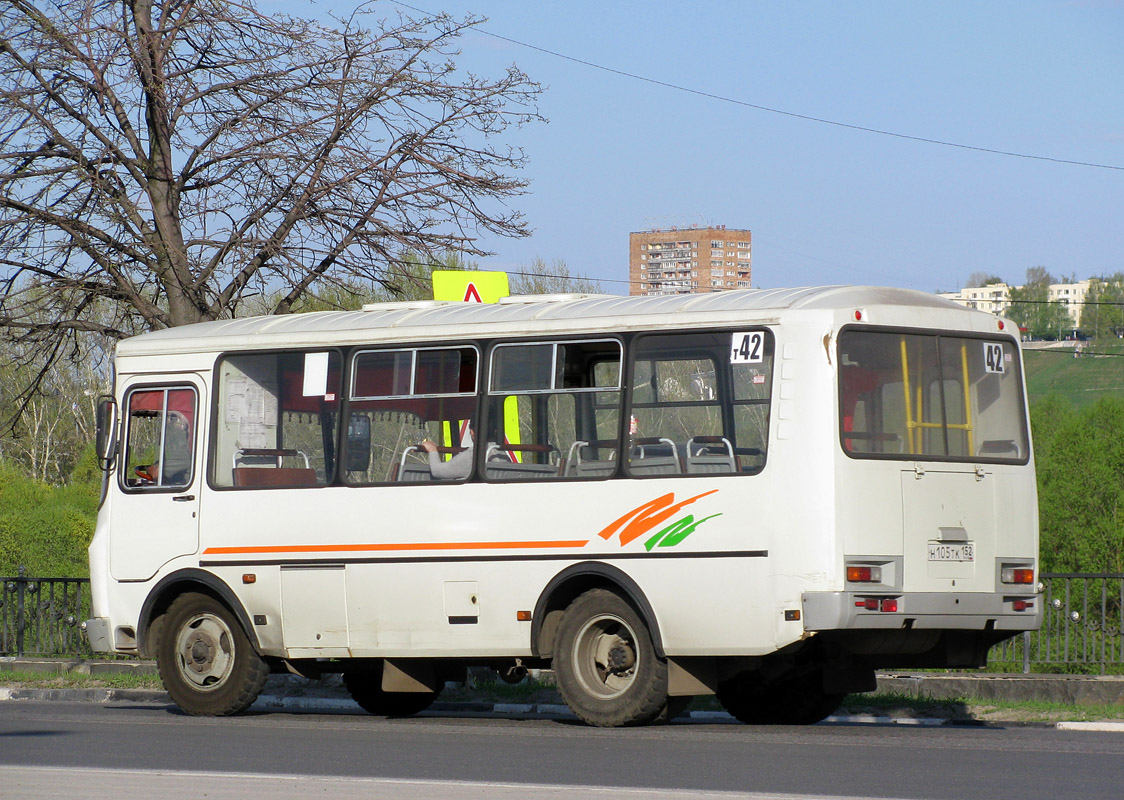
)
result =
(764, 495)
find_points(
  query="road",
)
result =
(89, 750)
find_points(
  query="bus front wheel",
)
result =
(606, 665)
(207, 664)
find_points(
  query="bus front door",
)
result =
(155, 509)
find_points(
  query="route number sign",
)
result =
(747, 348)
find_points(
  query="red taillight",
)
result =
(889, 604)
(1021, 605)
(1016, 575)
(856, 574)
(869, 603)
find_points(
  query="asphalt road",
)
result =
(90, 750)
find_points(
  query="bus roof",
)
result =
(521, 314)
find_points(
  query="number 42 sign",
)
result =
(747, 348)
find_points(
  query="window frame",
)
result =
(127, 429)
(354, 354)
(216, 394)
(397, 347)
(937, 334)
(725, 403)
(554, 365)
(486, 395)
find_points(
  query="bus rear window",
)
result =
(929, 396)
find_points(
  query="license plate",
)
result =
(960, 551)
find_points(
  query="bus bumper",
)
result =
(97, 632)
(830, 611)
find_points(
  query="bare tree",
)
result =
(542, 277)
(977, 279)
(161, 161)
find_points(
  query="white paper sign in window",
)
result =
(315, 374)
(747, 348)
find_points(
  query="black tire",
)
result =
(366, 689)
(606, 665)
(798, 700)
(207, 664)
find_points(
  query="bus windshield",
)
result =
(930, 396)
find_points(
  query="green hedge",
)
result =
(47, 528)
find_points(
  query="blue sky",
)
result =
(826, 204)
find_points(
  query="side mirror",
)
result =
(106, 437)
(358, 443)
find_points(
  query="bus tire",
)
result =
(365, 689)
(606, 665)
(207, 664)
(789, 701)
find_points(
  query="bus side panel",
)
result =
(384, 562)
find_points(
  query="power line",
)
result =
(1062, 303)
(806, 117)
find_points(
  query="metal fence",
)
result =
(1082, 625)
(40, 616)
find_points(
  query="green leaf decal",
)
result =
(676, 532)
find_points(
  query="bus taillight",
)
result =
(858, 574)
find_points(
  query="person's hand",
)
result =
(429, 446)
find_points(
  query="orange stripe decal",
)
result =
(402, 546)
(647, 516)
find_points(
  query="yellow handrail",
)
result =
(915, 427)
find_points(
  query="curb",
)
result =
(338, 705)
(1114, 727)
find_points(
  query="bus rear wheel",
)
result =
(798, 700)
(366, 689)
(606, 665)
(207, 664)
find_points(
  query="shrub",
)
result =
(44, 528)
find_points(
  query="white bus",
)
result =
(765, 495)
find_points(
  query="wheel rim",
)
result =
(605, 656)
(205, 652)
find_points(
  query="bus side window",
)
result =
(160, 440)
(278, 418)
(402, 397)
(697, 410)
(554, 410)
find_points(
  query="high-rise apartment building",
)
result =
(688, 260)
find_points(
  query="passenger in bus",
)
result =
(176, 465)
(456, 468)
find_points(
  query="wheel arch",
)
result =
(564, 587)
(180, 582)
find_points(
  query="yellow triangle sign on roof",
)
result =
(469, 286)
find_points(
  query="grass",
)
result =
(968, 709)
(1084, 380)
(75, 680)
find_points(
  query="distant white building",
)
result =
(996, 298)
